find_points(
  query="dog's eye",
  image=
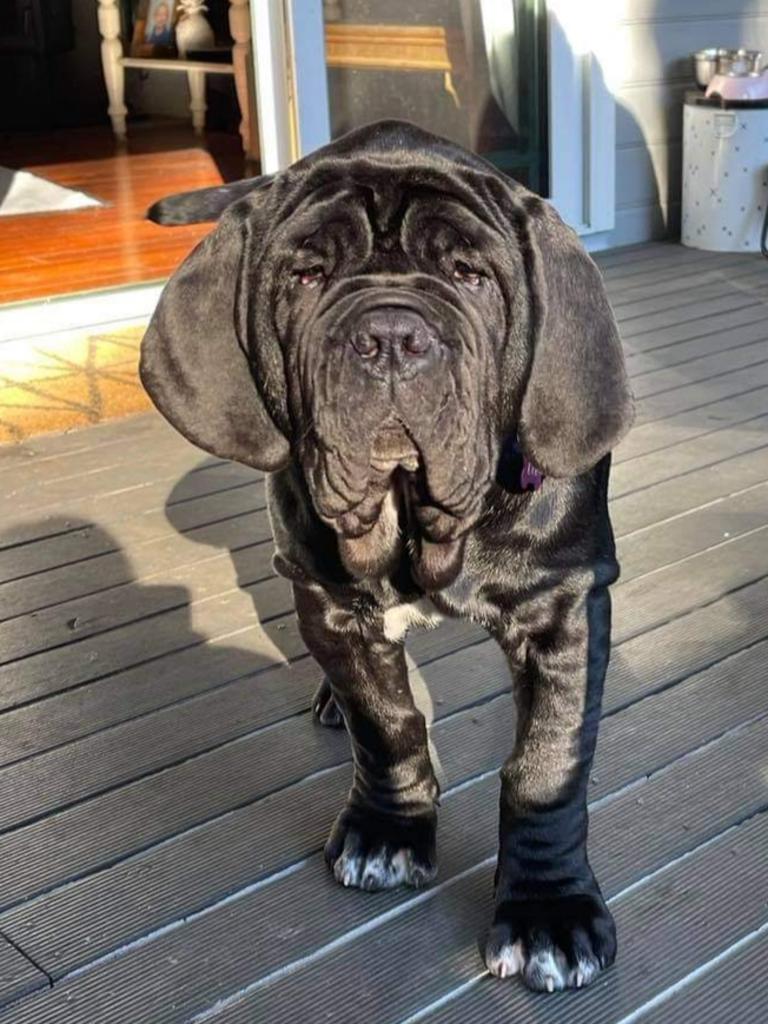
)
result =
(467, 275)
(309, 277)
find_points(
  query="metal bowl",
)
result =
(718, 61)
(706, 64)
(740, 62)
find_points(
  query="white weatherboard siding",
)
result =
(654, 39)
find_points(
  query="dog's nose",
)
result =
(392, 331)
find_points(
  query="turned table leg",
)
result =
(196, 81)
(111, 54)
(240, 29)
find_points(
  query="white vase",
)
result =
(193, 33)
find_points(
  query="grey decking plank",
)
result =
(667, 356)
(77, 840)
(47, 447)
(701, 369)
(115, 756)
(693, 532)
(146, 528)
(659, 597)
(692, 396)
(244, 847)
(645, 470)
(694, 312)
(639, 264)
(98, 613)
(102, 510)
(18, 976)
(732, 989)
(669, 927)
(156, 442)
(704, 421)
(124, 473)
(686, 645)
(661, 308)
(696, 327)
(689, 276)
(646, 506)
(241, 941)
(630, 253)
(145, 639)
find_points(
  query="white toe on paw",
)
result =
(347, 869)
(584, 971)
(506, 961)
(546, 970)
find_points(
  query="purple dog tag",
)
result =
(530, 477)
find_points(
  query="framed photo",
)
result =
(153, 29)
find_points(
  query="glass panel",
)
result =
(471, 70)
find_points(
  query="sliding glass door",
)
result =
(471, 70)
(519, 82)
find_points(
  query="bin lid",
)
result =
(696, 98)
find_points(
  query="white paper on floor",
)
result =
(22, 192)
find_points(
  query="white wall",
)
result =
(655, 39)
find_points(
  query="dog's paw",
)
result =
(553, 944)
(324, 707)
(374, 854)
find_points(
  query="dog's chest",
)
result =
(422, 614)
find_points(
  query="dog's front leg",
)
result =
(385, 836)
(551, 923)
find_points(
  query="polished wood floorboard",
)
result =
(52, 254)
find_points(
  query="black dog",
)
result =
(408, 342)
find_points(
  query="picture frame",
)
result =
(154, 29)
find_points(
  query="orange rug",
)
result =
(60, 382)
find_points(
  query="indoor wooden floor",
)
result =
(48, 254)
(165, 793)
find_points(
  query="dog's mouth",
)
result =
(394, 447)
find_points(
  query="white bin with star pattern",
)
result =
(725, 177)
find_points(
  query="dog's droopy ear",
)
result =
(204, 203)
(194, 361)
(577, 404)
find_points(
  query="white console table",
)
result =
(115, 63)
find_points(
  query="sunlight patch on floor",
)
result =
(62, 381)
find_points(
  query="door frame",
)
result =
(292, 97)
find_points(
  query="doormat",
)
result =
(22, 192)
(56, 383)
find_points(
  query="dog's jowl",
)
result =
(422, 358)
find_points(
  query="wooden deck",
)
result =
(164, 794)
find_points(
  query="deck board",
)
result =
(19, 977)
(164, 794)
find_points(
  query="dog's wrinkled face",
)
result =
(390, 314)
(386, 314)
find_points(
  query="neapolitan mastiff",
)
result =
(422, 358)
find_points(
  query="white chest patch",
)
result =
(421, 613)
